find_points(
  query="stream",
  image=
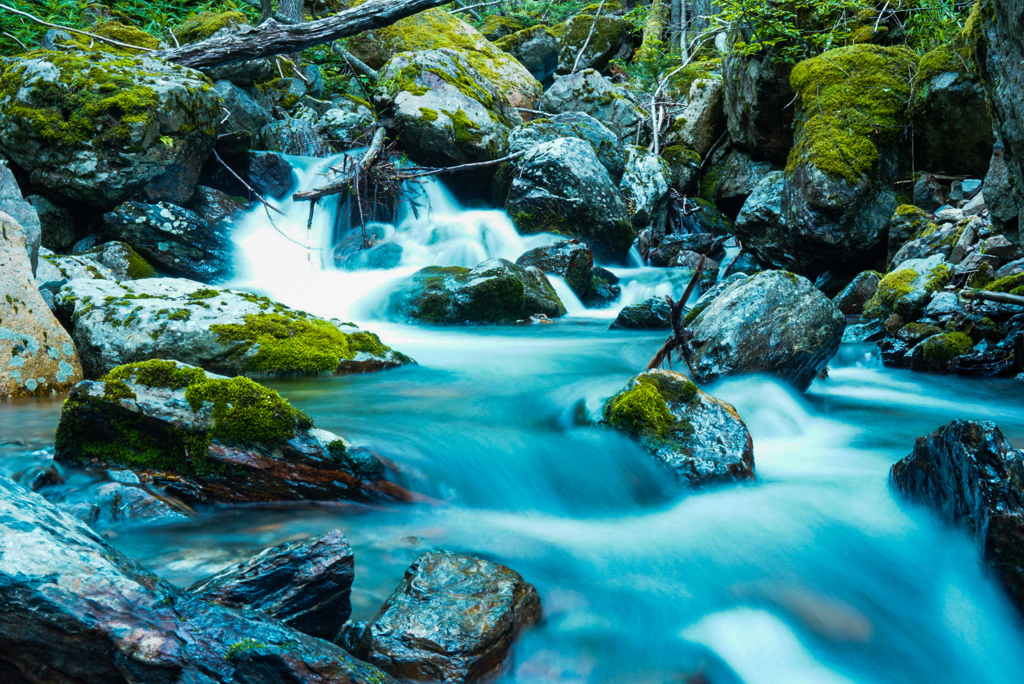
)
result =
(815, 573)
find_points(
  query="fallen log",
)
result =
(273, 38)
(1000, 297)
(351, 172)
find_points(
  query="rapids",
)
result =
(813, 574)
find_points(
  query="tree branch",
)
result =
(28, 16)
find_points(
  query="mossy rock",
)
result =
(612, 38)
(906, 290)
(700, 438)
(203, 25)
(939, 351)
(495, 27)
(98, 127)
(229, 439)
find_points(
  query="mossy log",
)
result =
(273, 38)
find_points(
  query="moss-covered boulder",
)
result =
(36, 353)
(570, 259)
(857, 293)
(494, 291)
(775, 322)
(606, 145)
(612, 38)
(906, 290)
(685, 166)
(225, 331)
(849, 145)
(561, 187)
(444, 111)
(99, 127)
(214, 438)
(536, 48)
(436, 29)
(589, 92)
(700, 438)
(495, 27)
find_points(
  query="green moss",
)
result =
(640, 410)
(156, 373)
(852, 100)
(680, 155)
(205, 293)
(117, 390)
(1007, 284)
(122, 33)
(179, 315)
(938, 277)
(204, 24)
(138, 267)
(496, 27)
(245, 412)
(466, 130)
(428, 114)
(942, 349)
(891, 289)
(239, 647)
(691, 315)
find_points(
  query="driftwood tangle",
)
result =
(273, 38)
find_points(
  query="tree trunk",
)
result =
(272, 38)
(654, 26)
(291, 9)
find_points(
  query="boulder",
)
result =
(210, 438)
(700, 438)
(293, 136)
(123, 262)
(702, 122)
(77, 610)
(644, 188)
(610, 152)
(495, 27)
(452, 619)
(653, 312)
(606, 38)
(669, 247)
(225, 331)
(55, 222)
(854, 296)
(731, 179)
(561, 187)
(217, 208)
(100, 128)
(36, 353)
(569, 259)
(774, 322)
(270, 175)
(494, 291)
(906, 291)
(445, 111)
(684, 168)
(245, 116)
(435, 29)
(967, 473)
(351, 119)
(175, 238)
(604, 289)
(22, 212)
(589, 92)
(125, 500)
(306, 584)
(1001, 198)
(756, 102)
(536, 48)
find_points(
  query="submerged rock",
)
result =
(210, 437)
(77, 610)
(452, 619)
(36, 353)
(774, 322)
(100, 128)
(224, 331)
(307, 584)
(569, 259)
(494, 291)
(701, 438)
(973, 479)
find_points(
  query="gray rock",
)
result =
(219, 330)
(1001, 197)
(123, 262)
(23, 212)
(941, 241)
(942, 305)
(569, 259)
(589, 92)
(609, 150)
(610, 39)
(349, 120)
(702, 122)
(59, 574)
(731, 180)
(37, 357)
(99, 159)
(644, 187)
(244, 114)
(700, 438)
(773, 322)
(1001, 247)
(173, 237)
(906, 290)
(1010, 269)
(270, 175)
(306, 584)
(453, 618)
(671, 245)
(536, 48)
(971, 187)
(854, 296)
(294, 137)
(215, 207)
(494, 291)
(561, 187)
(56, 224)
(653, 312)
(757, 106)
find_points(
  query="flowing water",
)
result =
(816, 573)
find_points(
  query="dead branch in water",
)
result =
(681, 336)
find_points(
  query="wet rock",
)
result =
(270, 175)
(942, 305)
(561, 187)
(452, 619)
(907, 290)
(702, 122)
(644, 188)
(536, 48)
(307, 584)
(864, 332)
(854, 296)
(210, 438)
(700, 438)
(215, 207)
(96, 156)
(76, 609)
(604, 289)
(123, 262)
(969, 475)
(443, 109)
(650, 313)
(435, 29)
(588, 92)
(1001, 198)
(731, 180)
(671, 245)
(757, 107)
(225, 331)
(939, 352)
(244, 114)
(605, 38)
(108, 504)
(23, 213)
(56, 224)
(351, 119)
(609, 150)
(774, 322)
(570, 259)
(36, 353)
(294, 137)
(495, 291)
(685, 168)
(175, 238)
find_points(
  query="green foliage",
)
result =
(529, 13)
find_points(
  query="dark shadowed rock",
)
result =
(650, 313)
(452, 619)
(701, 438)
(774, 322)
(969, 474)
(570, 259)
(757, 101)
(211, 438)
(307, 585)
(855, 295)
(76, 610)
(270, 175)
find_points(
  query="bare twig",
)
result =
(681, 336)
(110, 41)
(590, 35)
(367, 160)
(355, 63)
(23, 46)
(470, 8)
(460, 167)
